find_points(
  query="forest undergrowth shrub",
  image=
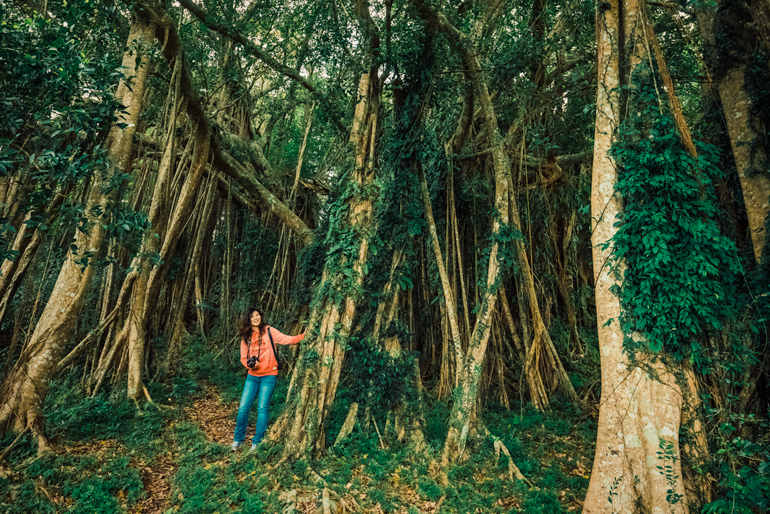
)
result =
(381, 380)
(553, 449)
(436, 427)
(209, 477)
(741, 442)
(73, 416)
(744, 468)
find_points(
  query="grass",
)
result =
(103, 444)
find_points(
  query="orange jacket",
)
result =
(267, 365)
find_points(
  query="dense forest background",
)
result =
(528, 240)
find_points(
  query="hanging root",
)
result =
(382, 443)
(147, 394)
(513, 471)
(326, 502)
(269, 471)
(150, 401)
(43, 445)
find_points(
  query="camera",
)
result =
(252, 361)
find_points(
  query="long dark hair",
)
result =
(244, 325)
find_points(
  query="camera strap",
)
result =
(277, 357)
(259, 352)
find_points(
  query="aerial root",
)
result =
(272, 470)
(325, 501)
(149, 399)
(347, 426)
(513, 471)
(43, 445)
(382, 443)
(331, 502)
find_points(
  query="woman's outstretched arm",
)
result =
(280, 338)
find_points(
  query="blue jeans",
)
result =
(262, 386)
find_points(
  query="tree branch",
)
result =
(172, 49)
(228, 32)
(224, 162)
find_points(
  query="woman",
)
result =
(258, 356)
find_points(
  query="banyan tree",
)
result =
(486, 203)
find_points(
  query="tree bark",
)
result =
(744, 128)
(314, 382)
(641, 402)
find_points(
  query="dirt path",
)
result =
(216, 417)
(156, 484)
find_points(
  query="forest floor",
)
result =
(110, 457)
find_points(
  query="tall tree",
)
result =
(640, 409)
(729, 58)
(314, 384)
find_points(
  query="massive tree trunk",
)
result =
(315, 379)
(637, 465)
(144, 281)
(743, 124)
(26, 386)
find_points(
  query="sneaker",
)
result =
(253, 447)
(235, 446)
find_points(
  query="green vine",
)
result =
(678, 269)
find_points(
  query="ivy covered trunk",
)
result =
(26, 386)
(637, 465)
(314, 382)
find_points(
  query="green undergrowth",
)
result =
(100, 444)
(100, 481)
(551, 449)
(211, 479)
(103, 444)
